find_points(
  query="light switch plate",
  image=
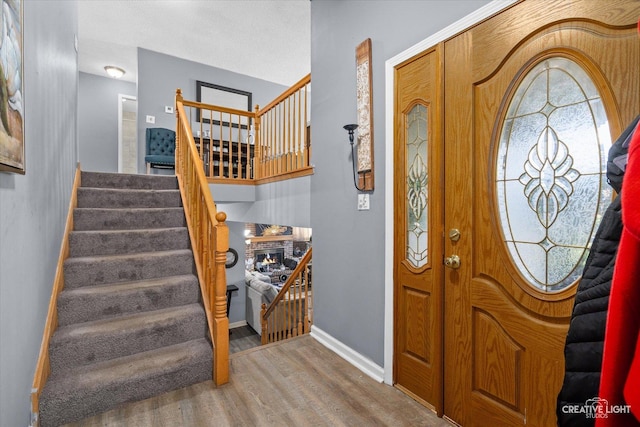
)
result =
(151, 119)
(363, 202)
(168, 109)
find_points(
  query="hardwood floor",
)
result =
(297, 382)
(243, 338)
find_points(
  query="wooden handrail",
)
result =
(218, 108)
(43, 367)
(264, 145)
(289, 314)
(209, 236)
(287, 93)
(284, 147)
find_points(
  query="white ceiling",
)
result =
(267, 39)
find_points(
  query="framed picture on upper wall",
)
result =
(12, 150)
(221, 96)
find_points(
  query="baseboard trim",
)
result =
(238, 324)
(361, 362)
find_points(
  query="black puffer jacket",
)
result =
(585, 338)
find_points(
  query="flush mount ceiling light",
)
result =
(113, 71)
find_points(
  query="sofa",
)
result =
(259, 290)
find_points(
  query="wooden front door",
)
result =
(418, 234)
(532, 99)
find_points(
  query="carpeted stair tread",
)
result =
(89, 197)
(96, 341)
(120, 180)
(130, 323)
(127, 218)
(110, 242)
(100, 270)
(95, 388)
(104, 301)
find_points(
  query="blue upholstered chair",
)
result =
(161, 147)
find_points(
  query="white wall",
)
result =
(33, 207)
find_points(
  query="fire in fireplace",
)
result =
(268, 259)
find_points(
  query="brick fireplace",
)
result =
(269, 259)
(260, 246)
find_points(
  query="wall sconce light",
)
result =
(113, 71)
(351, 128)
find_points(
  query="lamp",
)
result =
(351, 128)
(113, 71)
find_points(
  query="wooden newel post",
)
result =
(263, 322)
(220, 319)
(179, 99)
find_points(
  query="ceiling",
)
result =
(267, 39)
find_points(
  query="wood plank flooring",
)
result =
(243, 338)
(297, 382)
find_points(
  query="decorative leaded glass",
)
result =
(550, 176)
(416, 173)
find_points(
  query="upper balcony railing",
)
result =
(253, 147)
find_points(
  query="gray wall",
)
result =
(235, 274)
(348, 245)
(160, 75)
(33, 207)
(284, 203)
(98, 121)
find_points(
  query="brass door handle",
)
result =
(452, 262)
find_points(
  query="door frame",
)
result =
(121, 98)
(485, 12)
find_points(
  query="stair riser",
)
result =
(88, 306)
(107, 198)
(80, 272)
(69, 406)
(88, 348)
(127, 219)
(83, 244)
(144, 182)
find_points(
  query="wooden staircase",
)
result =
(131, 322)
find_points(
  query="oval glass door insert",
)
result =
(551, 172)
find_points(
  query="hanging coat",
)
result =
(585, 337)
(620, 379)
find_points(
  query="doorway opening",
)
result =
(127, 134)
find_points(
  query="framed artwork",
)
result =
(273, 230)
(12, 152)
(221, 96)
(232, 258)
(364, 97)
